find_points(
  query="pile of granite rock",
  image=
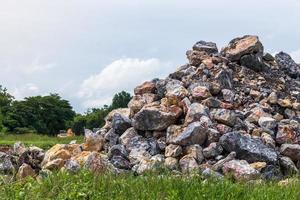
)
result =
(231, 112)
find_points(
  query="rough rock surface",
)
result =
(236, 111)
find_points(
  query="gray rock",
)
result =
(111, 137)
(171, 163)
(155, 119)
(212, 150)
(120, 123)
(291, 150)
(209, 173)
(228, 95)
(286, 63)
(288, 166)
(267, 123)
(254, 62)
(195, 112)
(218, 166)
(188, 164)
(246, 148)
(208, 47)
(194, 133)
(6, 165)
(271, 173)
(118, 150)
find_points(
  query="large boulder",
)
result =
(6, 164)
(120, 123)
(249, 149)
(156, 118)
(238, 47)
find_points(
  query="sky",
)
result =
(88, 50)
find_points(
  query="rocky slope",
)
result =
(234, 111)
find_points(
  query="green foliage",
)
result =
(5, 102)
(42, 141)
(47, 114)
(86, 185)
(95, 118)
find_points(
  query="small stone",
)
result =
(224, 116)
(256, 114)
(219, 165)
(196, 57)
(212, 150)
(200, 93)
(6, 165)
(19, 148)
(171, 163)
(195, 112)
(195, 150)
(268, 140)
(273, 99)
(228, 95)
(286, 134)
(24, 171)
(93, 141)
(188, 164)
(267, 123)
(173, 150)
(241, 170)
(271, 173)
(286, 103)
(296, 106)
(258, 165)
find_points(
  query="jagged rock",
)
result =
(94, 163)
(286, 134)
(54, 164)
(146, 87)
(175, 92)
(173, 150)
(25, 171)
(249, 149)
(286, 63)
(188, 164)
(240, 169)
(224, 116)
(195, 112)
(258, 165)
(219, 165)
(267, 123)
(111, 137)
(200, 93)
(254, 62)
(212, 150)
(241, 46)
(195, 151)
(194, 133)
(208, 47)
(288, 165)
(291, 150)
(208, 173)
(196, 57)
(93, 141)
(6, 164)
(156, 118)
(268, 140)
(120, 123)
(155, 162)
(228, 95)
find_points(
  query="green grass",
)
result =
(42, 141)
(105, 186)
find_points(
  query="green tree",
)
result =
(47, 114)
(120, 100)
(5, 103)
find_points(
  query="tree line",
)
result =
(50, 114)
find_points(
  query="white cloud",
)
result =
(122, 74)
(296, 55)
(27, 90)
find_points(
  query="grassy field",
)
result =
(42, 141)
(88, 186)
